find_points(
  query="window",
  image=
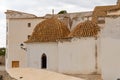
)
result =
(15, 64)
(6, 42)
(101, 20)
(28, 36)
(7, 28)
(87, 18)
(29, 24)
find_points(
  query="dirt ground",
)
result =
(6, 76)
(38, 74)
(88, 77)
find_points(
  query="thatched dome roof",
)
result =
(49, 30)
(85, 29)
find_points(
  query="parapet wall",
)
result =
(17, 14)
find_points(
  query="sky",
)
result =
(42, 7)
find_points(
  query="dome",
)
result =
(85, 29)
(49, 30)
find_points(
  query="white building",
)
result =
(49, 47)
(110, 47)
(109, 40)
(19, 28)
(68, 43)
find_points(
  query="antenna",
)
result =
(52, 11)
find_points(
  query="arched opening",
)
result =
(44, 61)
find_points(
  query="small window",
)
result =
(28, 36)
(101, 20)
(21, 44)
(7, 28)
(29, 24)
(87, 18)
(7, 39)
(15, 64)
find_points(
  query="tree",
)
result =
(62, 12)
(2, 51)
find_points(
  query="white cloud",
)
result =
(2, 33)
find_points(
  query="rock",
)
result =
(5, 76)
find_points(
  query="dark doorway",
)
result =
(44, 61)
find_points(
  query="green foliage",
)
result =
(62, 12)
(2, 51)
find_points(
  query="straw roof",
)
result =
(101, 11)
(85, 29)
(49, 30)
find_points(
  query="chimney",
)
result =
(52, 11)
(118, 2)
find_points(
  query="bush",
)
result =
(2, 51)
(62, 12)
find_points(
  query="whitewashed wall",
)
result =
(78, 18)
(35, 51)
(75, 22)
(77, 56)
(110, 49)
(112, 27)
(17, 33)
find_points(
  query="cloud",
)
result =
(2, 33)
(40, 7)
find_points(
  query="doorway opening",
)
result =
(44, 61)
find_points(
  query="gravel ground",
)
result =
(6, 76)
